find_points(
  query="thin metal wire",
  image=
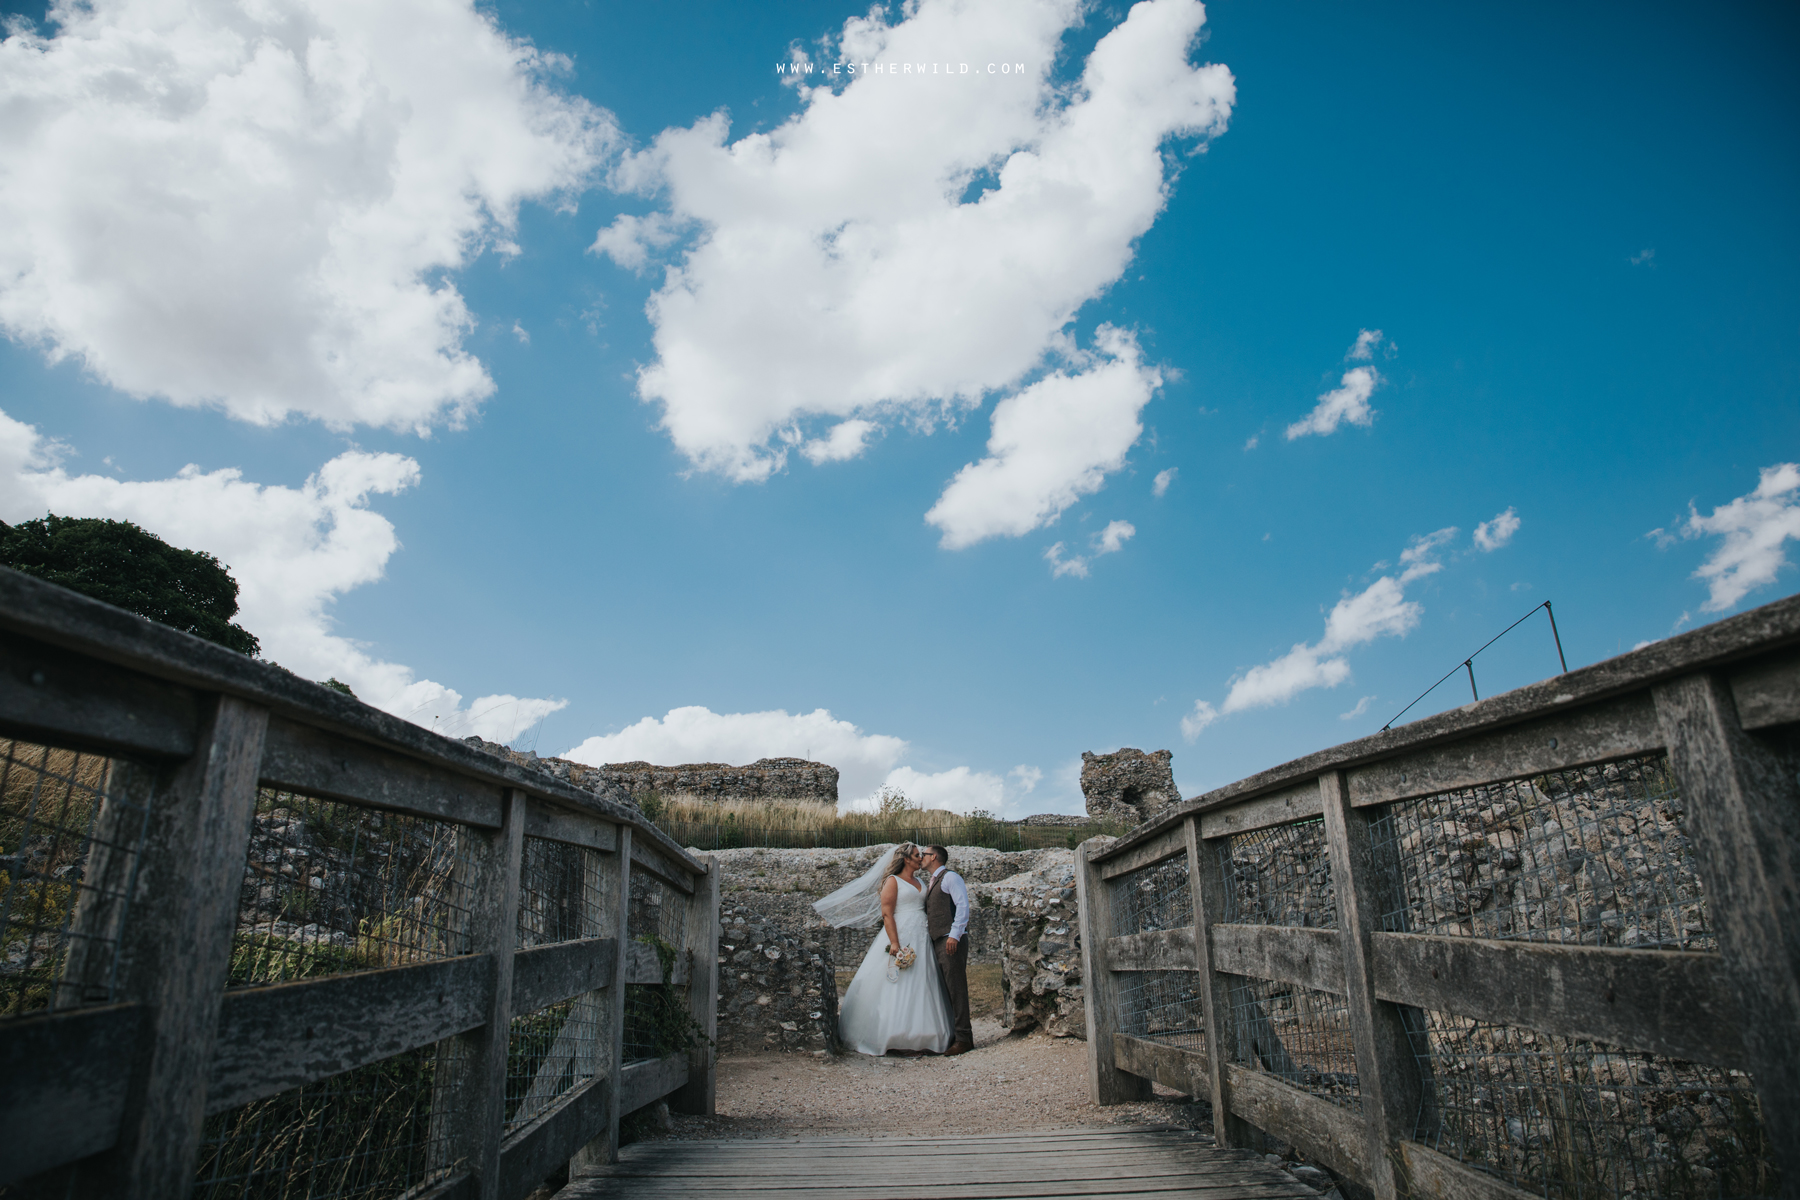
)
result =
(368, 1133)
(1591, 855)
(658, 911)
(71, 834)
(1578, 1120)
(1153, 898)
(1162, 1006)
(331, 887)
(1279, 876)
(559, 893)
(549, 1053)
(1469, 662)
(1297, 1034)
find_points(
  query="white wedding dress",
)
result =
(909, 1013)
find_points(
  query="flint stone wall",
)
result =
(1041, 947)
(764, 779)
(1128, 785)
(777, 987)
(627, 783)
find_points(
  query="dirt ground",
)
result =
(1006, 1083)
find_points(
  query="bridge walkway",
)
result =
(1115, 1163)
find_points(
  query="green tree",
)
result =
(132, 568)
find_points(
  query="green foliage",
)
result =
(651, 802)
(978, 829)
(124, 565)
(657, 1020)
(338, 685)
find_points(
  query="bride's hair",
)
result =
(902, 852)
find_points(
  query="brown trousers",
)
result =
(953, 977)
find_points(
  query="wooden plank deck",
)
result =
(1114, 1163)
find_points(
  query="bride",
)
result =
(891, 1006)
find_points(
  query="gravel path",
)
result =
(1005, 1083)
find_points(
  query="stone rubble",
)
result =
(1128, 786)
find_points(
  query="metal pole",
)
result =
(1557, 636)
(1469, 664)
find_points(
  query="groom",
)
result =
(947, 922)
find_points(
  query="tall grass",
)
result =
(804, 824)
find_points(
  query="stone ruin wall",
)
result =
(627, 783)
(1128, 785)
(764, 779)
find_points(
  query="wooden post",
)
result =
(1206, 879)
(603, 1150)
(176, 952)
(479, 1122)
(697, 1097)
(1742, 805)
(1387, 1072)
(1106, 1083)
(115, 845)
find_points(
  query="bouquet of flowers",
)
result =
(903, 958)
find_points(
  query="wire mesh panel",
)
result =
(1279, 876)
(1592, 855)
(559, 893)
(657, 1021)
(550, 1053)
(368, 1133)
(331, 887)
(1152, 898)
(658, 911)
(1162, 1006)
(1298, 1034)
(1574, 1120)
(71, 832)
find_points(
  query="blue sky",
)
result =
(566, 373)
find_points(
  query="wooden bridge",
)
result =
(258, 939)
(1120, 1164)
(1546, 944)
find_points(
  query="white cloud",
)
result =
(252, 205)
(1362, 706)
(844, 442)
(1491, 535)
(293, 551)
(1379, 610)
(843, 264)
(959, 789)
(1417, 557)
(1029, 777)
(1203, 715)
(1051, 444)
(1349, 401)
(1060, 566)
(1755, 529)
(1163, 480)
(629, 241)
(520, 333)
(1645, 257)
(1112, 539)
(1255, 440)
(696, 734)
(1364, 349)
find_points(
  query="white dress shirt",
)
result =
(954, 887)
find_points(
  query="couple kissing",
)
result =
(911, 994)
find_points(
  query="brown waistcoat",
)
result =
(940, 909)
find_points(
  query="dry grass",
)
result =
(788, 813)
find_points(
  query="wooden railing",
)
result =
(257, 932)
(1545, 944)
